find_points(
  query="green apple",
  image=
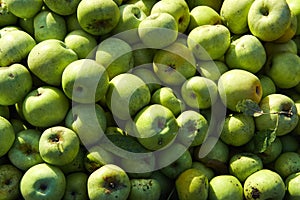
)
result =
(85, 81)
(72, 23)
(158, 30)
(45, 106)
(203, 40)
(292, 185)
(166, 184)
(148, 189)
(77, 164)
(24, 153)
(126, 95)
(264, 184)
(203, 15)
(10, 178)
(108, 182)
(24, 9)
(43, 181)
(49, 25)
(212, 69)
(290, 31)
(273, 48)
(231, 92)
(76, 186)
(287, 163)
(98, 17)
(59, 145)
(246, 52)
(7, 136)
(81, 42)
(27, 25)
(88, 121)
(214, 4)
(284, 69)
(50, 57)
(177, 8)
(297, 128)
(280, 114)
(64, 7)
(7, 29)
(174, 64)
(268, 20)
(192, 184)
(267, 84)
(5, 112)
(115, 55)
(15, 83)
(234, 15)
(14, 47)
(156, 126)
(295, 9)
(289, 142)
(233, 189)
(18, 124)
(142, 55)
(199, 92)
(144, 5)
(208, 172)
(7, 18)
(148, 76)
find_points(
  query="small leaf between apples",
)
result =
(249, 107)
(263, 139)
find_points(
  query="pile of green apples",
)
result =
(149, 99)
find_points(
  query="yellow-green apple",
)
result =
(267, 84)
(287, 163)
(7, 18)
(126, 95)
(247, 52)
(108, 182)
(24, 153)
(49, 25)
(158, 30)
(280, 114)
(98, 17)
(199, 92)
(115, 55)
(7, 136)
(15, 46)
(43, 181)
(64, 7)
(24, 9)
(76, 186)
(212, 69)
(290, 31)
(50, 57)
(295, 9)
(45, 106)
(292, 184)
(284, 69)
(179, 9)
(144, 5)
(142, 55)
(273, 48)
(215, 4)
(231, 92)
(7, 29)
(234, 15)
(146, 73)
(15, 83)
(203, 40)
(268, 19)
(58, 145)
(202, 15)
(174, 64)
(10, 178)
(144, 188)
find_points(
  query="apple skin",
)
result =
(108, 182)
(27, 25)
(77, 164)
(64, 7)
(148, 76)
(24, 153)
(212, 69)
(72, 23)
(273, 48)
(144, 188)
(50, 57)
(45, 106)
(292, 185)
(5, 112)
(76, 186)
(25, 9)
(287, 163)
(98, 18)
(268, 20)
(7, 136)
(290, 32)
(10, 177)
(16, 78)
(267, 84)
(7, 18)
(43, 181)
(276, 103)
(144, 5)
(214, 4)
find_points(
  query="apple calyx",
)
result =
(55, 139)
(111, 184)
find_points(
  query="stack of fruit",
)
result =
(149, 99)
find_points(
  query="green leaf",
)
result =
(263, 139)
(249, 107)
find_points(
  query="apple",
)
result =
(178, 9)
(289, 142)
(43, 181)
(49, 25)
(24, 9)
(142, 55)
(50, 57)
(15, 46)
(115, 55)
(148, 76)
(148, 189)
(45, 106)
(8, 29)
(267, 84)
(65, 7)
(234, 15)
(85, 81)
(72, 23)
(76, 186)
(284, 69)
(7, 136)
(166, 184)
(24, 153)
(77, 164)
(268, 20)
(7, 18)
(158, 30)
(287, 163)
(297, 128)
(123, 97)
(212, 69)
(98, 18)
(18, 124)
(202, 41)
(199, 92)
(10, 178)
(292, 184)
(291, 30)
(4, 112)
(246, 52)
(273, 48)
(108, 182)
(208, 172)
(295, 9)
(27, 25)
(203, 15)
(144, 5)
(215, 4)
(231, 92)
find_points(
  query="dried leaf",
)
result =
(249, 107)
